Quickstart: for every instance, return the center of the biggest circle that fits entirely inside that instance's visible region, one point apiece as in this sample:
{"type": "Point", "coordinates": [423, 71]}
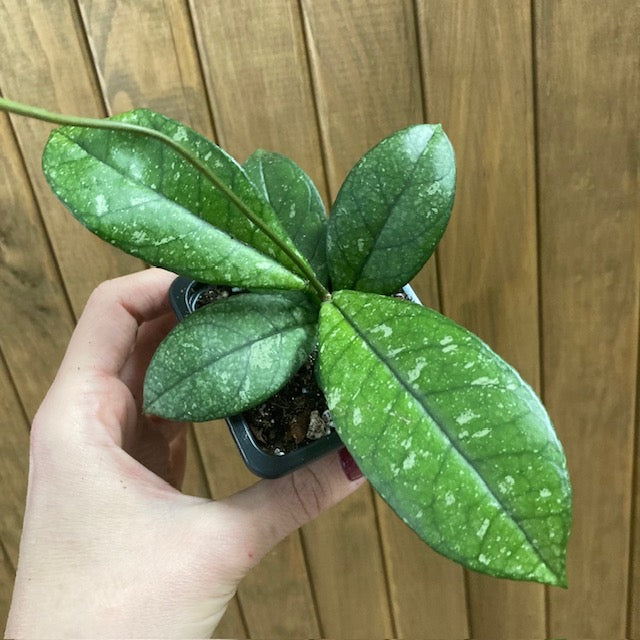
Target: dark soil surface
{"type": "Point", "coordinates": [210, 293]}
{"type": "Point", "coordinates": [294, 417]}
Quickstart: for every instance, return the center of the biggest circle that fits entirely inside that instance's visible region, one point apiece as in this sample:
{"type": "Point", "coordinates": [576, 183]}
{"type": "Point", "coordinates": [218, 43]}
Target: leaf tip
{"type": "Point", "coordinates": [561, 579]}
{"type": "Point", "coordinates": [554, 576]}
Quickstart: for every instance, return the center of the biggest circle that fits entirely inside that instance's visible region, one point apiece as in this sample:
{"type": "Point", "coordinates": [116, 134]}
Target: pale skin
{"type": "Point", "coordinates": [110, 547]}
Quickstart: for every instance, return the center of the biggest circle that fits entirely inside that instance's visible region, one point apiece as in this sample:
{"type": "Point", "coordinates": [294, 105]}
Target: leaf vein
{"type": "Point", "coordinates": [454, 443]}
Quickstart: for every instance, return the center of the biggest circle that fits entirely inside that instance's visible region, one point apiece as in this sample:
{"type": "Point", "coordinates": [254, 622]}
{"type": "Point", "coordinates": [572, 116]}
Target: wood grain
{"type": "Point", "coordinates": [31, 292]}
{"type": "Point", "coordinates": [633, 597]}
{"type": "Point", "coordinates": [61, 78]}
{"type": "Point", "coordinates": [231, 625]}
{"type": "Point", "coordinates": [322, 82]}
{"type": "Point", "coordinates": [195, 478]}
{"type": "Point", "coordinates": [365, 68]}
{"type": "Point", "coordinates": [144, 56]}
{"type": "Point", "coordinates": [478, 76]}
{"type": "Point", "coordinates": [588, 81]}
{"type": "Point", "coordinates": [257, 76]}
{"type": "Point", "coordinates": [427, 590]}
{"type": "Point", "coordinates": [14, 441]}
{"type": "Point", "coordinates": [6, 586]}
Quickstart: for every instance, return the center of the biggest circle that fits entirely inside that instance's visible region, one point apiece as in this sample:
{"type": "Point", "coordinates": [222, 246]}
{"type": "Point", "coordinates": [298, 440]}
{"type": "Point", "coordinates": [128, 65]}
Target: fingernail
{"type": "Point", "coordinates": [349, 465]}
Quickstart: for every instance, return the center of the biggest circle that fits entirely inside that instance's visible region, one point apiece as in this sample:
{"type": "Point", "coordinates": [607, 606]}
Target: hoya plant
{"type": "Point", "coordinates": [445, 430]}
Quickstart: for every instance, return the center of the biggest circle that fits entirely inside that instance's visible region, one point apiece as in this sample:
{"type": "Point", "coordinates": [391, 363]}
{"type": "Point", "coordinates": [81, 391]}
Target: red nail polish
{"type": "Point", "coordinates": [349, 465]}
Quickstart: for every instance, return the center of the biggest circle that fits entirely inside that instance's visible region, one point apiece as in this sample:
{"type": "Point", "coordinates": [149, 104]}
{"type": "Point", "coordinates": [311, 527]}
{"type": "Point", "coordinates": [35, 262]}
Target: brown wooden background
{"type": "Point", "coordinates": [542, 257]}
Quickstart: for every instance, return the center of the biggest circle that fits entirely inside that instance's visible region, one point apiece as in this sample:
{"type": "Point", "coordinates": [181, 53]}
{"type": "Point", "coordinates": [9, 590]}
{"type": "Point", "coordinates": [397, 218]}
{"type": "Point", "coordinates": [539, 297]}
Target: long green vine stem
{"type": "Point", "coordinates": [113, 125]}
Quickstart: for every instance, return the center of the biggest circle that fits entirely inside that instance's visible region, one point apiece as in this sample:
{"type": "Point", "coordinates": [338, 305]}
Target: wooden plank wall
{"type": "Point", "coordinates": [542, 258]}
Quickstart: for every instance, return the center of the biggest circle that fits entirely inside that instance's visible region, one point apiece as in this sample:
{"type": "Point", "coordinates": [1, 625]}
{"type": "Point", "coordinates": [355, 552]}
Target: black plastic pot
{"type": "Point", "coordinates": [186, 296]}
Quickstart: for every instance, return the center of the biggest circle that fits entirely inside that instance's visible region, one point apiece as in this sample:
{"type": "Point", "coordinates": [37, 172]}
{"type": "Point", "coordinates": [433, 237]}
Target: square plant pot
{"type": "Point", "coordinates": [186, 296]}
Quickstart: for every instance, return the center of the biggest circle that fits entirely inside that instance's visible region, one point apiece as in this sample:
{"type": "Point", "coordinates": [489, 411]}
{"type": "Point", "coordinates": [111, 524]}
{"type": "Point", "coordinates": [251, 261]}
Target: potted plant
{"type": "Point", "coordinates": [290, 428]}
{"type": "Point", "coordinates": [445, 430]}
{"type": "Point", "coordinates": [287, 430]}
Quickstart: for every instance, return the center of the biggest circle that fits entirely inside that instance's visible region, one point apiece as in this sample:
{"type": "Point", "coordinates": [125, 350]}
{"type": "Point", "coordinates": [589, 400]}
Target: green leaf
{"type": "Point", "coordinates": [449, 434]}
{"type": "Point", "coordinates": [297, 203]}
{"type": "Point", "coordinates": [391, 211]}
{"type": "Point", "coordinates": [230, 355]}
{"type": "Point", "coordinates": [144, 197]}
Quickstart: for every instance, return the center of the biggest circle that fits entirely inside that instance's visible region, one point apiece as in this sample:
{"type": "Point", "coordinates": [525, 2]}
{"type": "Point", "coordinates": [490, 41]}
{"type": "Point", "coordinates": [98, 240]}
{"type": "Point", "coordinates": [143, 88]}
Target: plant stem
{"type": "Point", "coordinates": [114, 125]}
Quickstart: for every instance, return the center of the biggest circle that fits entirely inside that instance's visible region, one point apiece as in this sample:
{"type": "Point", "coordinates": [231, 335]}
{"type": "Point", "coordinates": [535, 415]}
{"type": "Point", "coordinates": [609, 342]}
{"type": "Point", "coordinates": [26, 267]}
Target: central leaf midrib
{"type": "Point", "coordinates": [445, 433]}
{"type": "Point", "coordinates": [300, 230]}
{"type": "Point", "coordinates": [390, 208]}
{"type": "Point", "coordinates": [163, 196]}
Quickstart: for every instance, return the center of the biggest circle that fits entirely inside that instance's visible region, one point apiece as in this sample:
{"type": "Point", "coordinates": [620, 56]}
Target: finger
{"type": "Point", "coordinates": [107, 330]}
{"type": "Point", "coordinates": [150, 334]}
{"type": "Point", "coordinates": [270, 510]}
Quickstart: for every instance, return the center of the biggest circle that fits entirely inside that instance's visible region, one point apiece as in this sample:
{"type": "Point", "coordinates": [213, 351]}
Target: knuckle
{"type": "Point", "coordinates": [104, 291]}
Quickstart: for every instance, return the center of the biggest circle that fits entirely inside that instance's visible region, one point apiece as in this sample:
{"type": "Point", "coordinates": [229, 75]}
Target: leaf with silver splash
{"type": "Point", "coordinates": [141, 195]}
{"type": "Point", "coordinates": [449, 434]}
{"type": "Point", "coordinates": [391, 211]}
{"type": "Point", "coordinates": [296, 202]}
{"type": "Point", "coordinates": [230, 355]}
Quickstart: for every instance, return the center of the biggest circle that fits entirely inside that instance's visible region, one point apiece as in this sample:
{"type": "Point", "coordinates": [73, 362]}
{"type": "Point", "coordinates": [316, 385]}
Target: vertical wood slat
{"type": "Point", "coordinates": [587, 86]}
{"type": "Point", "coordinates": [13, 472]}
{"type": "Point", "coordinates": [144, 57]}
{"type": "Point", "coordinates": [361, 95]}
{"type": "Point", "coordinates": [31, 293]}
{"type": "Point", "coordinates": [633, 592]}
{"type": "Point", "coordinates": [60, 77]}
{"type": "Point", "coordinates": [7, 574]}
{"type": "Point", "coordinates": [633, 595]}
{"type": "Point", "coordinates": [255, 71]}
{"type": "Point", "coordinates": [367, 85]}
{"type": "Point", "coordinates": [13, 479]}
{"type": "Point", "coordinates": [478, 75]}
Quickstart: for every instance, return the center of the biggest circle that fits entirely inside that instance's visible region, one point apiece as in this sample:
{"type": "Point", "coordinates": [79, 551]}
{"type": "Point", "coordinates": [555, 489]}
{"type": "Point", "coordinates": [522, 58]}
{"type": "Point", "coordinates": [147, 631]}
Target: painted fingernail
{"type": "Point", "coordinates": [349, 465]}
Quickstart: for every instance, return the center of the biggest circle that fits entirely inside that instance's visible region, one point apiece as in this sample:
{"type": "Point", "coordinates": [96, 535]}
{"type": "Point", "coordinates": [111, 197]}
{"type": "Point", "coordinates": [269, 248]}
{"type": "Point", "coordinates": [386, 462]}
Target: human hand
{"type": "Point", "coordinates": [110, 548]}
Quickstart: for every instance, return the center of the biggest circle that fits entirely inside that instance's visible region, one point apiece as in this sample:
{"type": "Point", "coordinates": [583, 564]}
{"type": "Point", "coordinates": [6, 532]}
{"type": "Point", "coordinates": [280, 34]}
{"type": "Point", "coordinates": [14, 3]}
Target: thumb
{"type": "Point", "coordinates": [272, 509]}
